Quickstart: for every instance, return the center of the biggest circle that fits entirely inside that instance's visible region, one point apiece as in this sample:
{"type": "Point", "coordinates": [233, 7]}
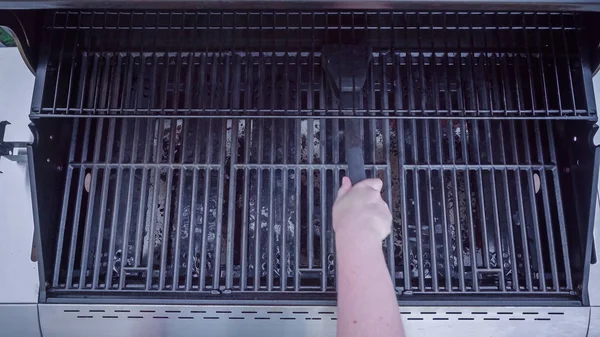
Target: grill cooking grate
{"type": "Point", "coordinates": [244, 205]}
{"type": "Point", "coordinates": [268, 64]}
{"type": "Point", "coordinates": [206, 149]}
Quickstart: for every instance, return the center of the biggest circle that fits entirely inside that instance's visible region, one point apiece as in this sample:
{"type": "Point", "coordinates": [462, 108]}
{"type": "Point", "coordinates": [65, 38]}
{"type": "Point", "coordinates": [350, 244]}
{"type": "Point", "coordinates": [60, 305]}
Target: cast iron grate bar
{"type": "Point", "coordinates": [425, 65]}
{"type": "Point", "coordinates": [244, 205]}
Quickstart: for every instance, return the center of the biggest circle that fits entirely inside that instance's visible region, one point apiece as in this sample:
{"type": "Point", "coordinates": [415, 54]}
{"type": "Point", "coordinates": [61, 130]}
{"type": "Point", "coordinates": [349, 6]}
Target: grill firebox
{"type": "Point", "coordinates": [199, 153]}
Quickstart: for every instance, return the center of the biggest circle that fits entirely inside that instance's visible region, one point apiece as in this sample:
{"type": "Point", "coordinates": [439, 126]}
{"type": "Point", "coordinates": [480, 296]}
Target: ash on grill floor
{"type": "Point", "coordinates": [209, 205]}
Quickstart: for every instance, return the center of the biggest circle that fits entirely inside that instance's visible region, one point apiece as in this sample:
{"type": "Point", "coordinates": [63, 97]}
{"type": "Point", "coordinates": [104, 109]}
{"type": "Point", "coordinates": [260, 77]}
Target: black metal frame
{"type": "Point", "coordinates": [448, 5]}
{"type": "Point", "coordinates": [314, 299]}
{"type": "Point", "coordinates": [5, 148]}
{"type": "Point", "coordinates": [61, 126]}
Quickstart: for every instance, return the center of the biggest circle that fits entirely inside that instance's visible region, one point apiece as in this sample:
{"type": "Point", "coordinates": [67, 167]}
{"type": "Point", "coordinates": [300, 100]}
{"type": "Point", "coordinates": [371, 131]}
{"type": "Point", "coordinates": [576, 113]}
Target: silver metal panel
{"type": "Point", "coordinates": [594, 283]}
{"type": "Point", "coordinates": [594, 329]}
{"type": "Point", "coordinates": [16, 89]}
{"type": "Point", "coordinates": [163, 320]}
{"type": "Point", "coordinates": [19, 281]}
{"type": "Point", "coordinates": [19, 320]}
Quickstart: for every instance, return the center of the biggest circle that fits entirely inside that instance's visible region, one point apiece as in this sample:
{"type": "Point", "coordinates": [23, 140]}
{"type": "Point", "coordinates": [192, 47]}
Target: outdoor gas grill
{"type": "Point", "coordinates": [186, 160]}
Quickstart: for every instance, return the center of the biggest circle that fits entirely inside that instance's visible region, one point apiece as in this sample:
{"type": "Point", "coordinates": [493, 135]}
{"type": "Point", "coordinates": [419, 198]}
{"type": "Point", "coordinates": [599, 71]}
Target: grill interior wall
{"type": "Point", "coordinates": [210, 148]}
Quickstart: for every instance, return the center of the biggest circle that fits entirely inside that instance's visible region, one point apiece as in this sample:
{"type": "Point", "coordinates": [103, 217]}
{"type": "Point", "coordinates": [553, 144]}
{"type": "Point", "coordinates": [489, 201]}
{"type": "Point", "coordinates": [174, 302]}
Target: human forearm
{"type": "Point", "coordinates": [366, 298]}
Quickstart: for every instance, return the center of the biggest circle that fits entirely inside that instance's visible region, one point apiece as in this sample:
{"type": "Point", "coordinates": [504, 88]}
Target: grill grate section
{"type": "Point", "coordinates": [206, 149]}
{"type": "Point", "coordinates": [431, 65]}
{"type": "Point", "coordinates": [243, 205]}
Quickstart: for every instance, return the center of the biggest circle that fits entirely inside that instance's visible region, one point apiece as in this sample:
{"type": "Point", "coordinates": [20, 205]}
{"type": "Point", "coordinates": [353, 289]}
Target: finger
{"type": "Point", "coordinates": [346, 186]}
{"type": "Point", "coordinates": [373, 183]}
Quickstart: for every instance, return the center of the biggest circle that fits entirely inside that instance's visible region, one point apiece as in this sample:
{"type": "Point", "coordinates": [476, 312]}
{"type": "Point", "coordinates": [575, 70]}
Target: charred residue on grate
{"type": "Point", "coordinates": [473, 207]}
{"type": "Point", "coordinates": [244, 205]}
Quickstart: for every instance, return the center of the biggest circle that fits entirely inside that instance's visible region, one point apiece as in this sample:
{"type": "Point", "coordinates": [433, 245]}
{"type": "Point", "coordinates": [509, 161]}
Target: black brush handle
{"type": "Point", "coordinates": [354, 151]}
{"type": "Point", "coordinates": [354, 135]}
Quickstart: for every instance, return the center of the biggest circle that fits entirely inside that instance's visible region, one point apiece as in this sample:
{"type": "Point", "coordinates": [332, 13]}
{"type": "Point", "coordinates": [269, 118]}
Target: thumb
{"type": "Point", "coordinates": [346, 186]}
{"type": "Point", "coordinates": [373, 183]}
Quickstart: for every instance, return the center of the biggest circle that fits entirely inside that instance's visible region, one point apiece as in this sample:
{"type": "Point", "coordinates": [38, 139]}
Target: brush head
{"type": "Point", "coordinates": [346, 66]}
